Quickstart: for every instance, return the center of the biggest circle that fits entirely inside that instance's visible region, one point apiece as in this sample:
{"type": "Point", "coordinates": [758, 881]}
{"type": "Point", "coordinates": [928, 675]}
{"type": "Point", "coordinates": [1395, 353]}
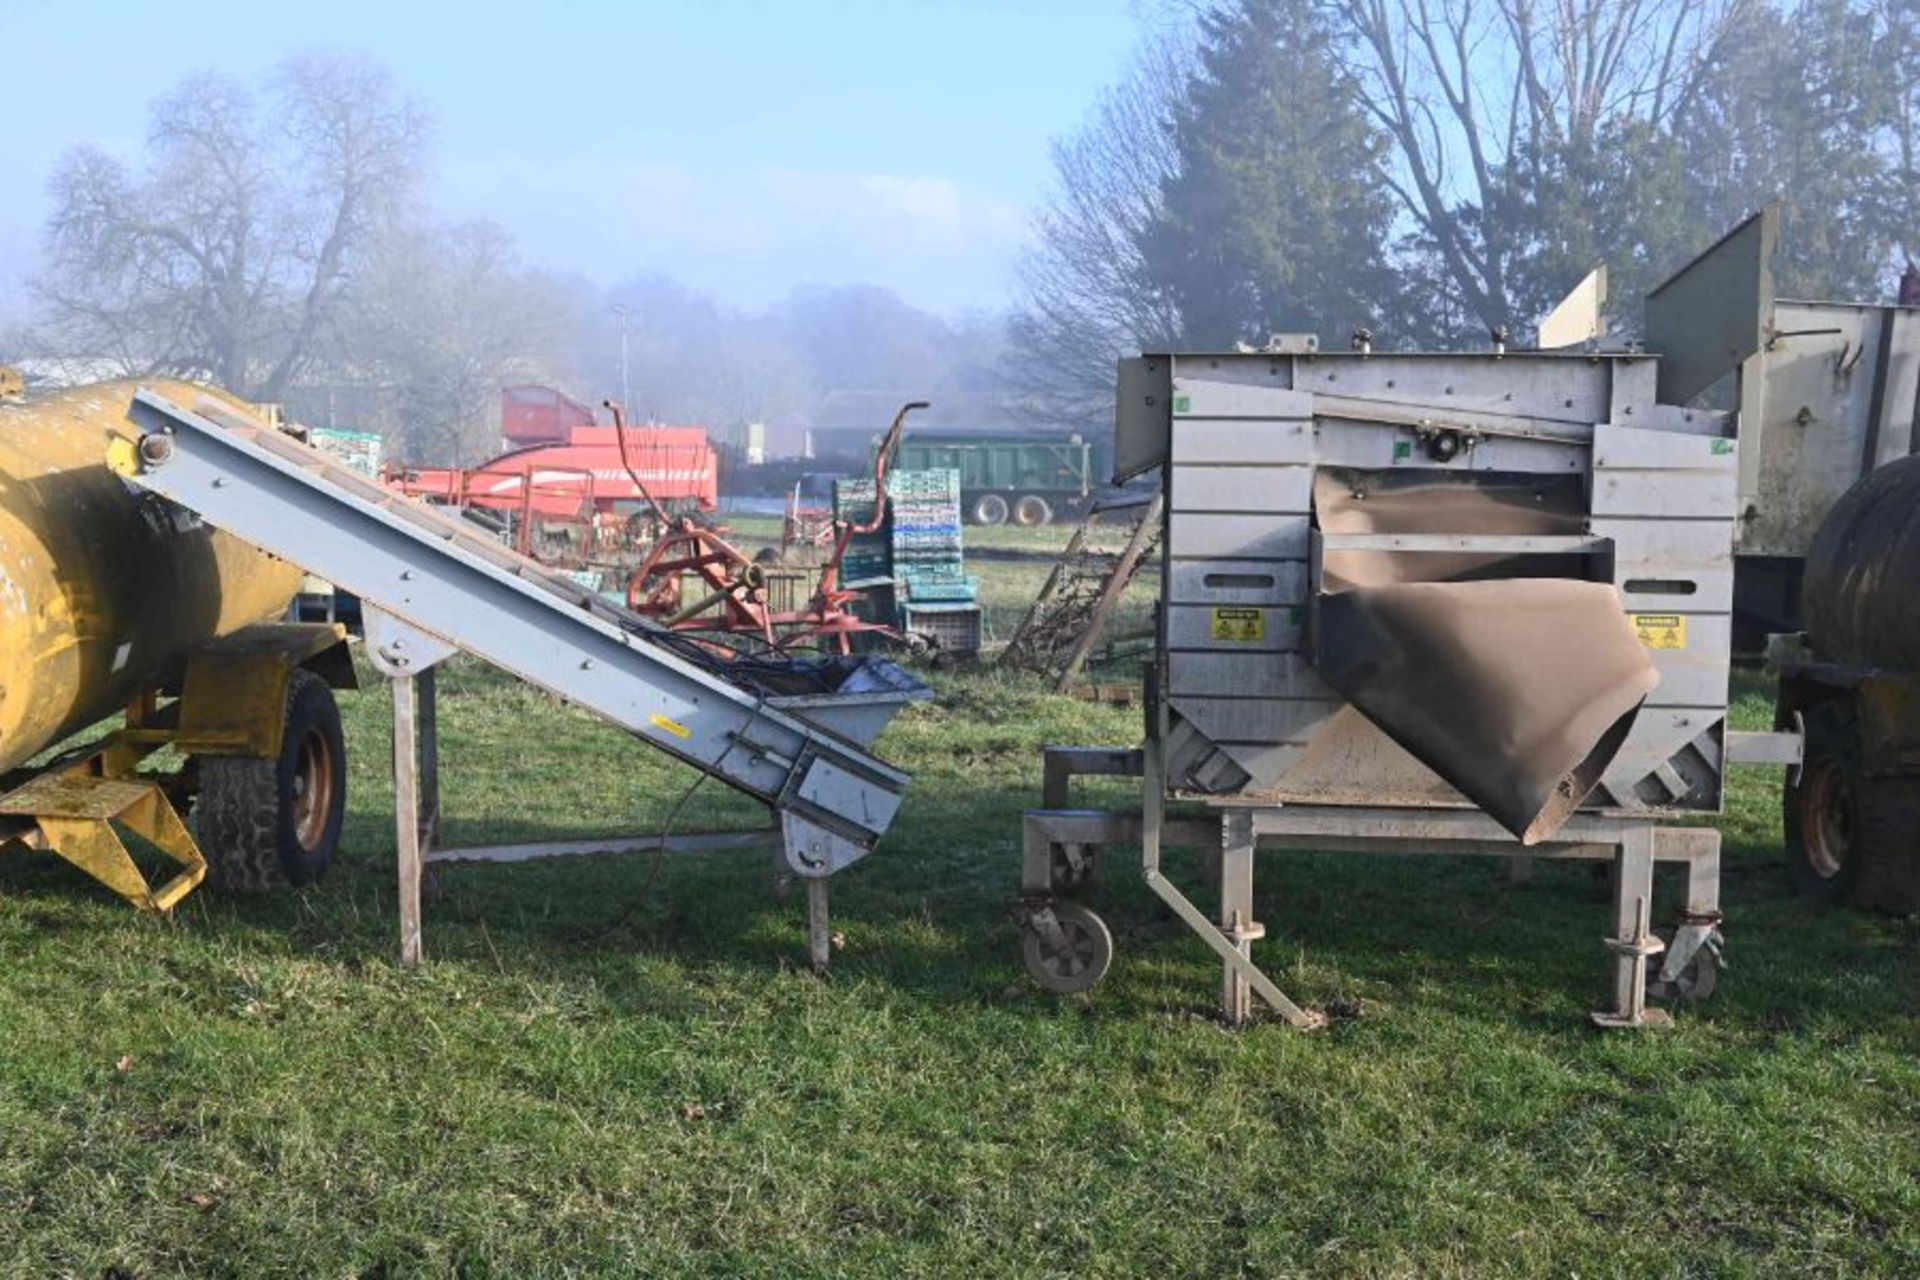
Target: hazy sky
{"type": "Point", "coordinates": [744, 147]}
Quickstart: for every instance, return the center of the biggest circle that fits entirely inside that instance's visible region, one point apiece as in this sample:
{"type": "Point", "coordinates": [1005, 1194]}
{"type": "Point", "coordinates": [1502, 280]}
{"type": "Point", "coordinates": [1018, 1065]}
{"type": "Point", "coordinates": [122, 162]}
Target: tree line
{"type": "Point", "coordinates": [1428, 170]}
{"type": "Point", "coordinates": [1431, 170]}
{"type": "Point", "coordinates": [274, 237]}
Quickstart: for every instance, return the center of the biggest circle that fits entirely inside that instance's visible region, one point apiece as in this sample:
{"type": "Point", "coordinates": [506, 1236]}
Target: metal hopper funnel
{"type": "Point", "coordinates": [1517, 690]}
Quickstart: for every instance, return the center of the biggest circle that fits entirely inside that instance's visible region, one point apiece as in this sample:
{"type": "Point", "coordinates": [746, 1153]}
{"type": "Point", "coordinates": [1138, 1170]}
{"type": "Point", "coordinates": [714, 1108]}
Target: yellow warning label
{"type": "Point", "coordinates": [673, 727]}
{"type": "Point", "coordinates": [1245, 626]}
{"type": "Point", "coordinates": [1661, 630]}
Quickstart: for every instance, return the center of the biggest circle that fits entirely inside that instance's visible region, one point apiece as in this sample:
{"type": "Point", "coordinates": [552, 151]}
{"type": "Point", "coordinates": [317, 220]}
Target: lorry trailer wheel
{"type": "Point", "coordinates": [1076, 959]}
{"type": "Point", "coordinates": [1032, 510]}
{"type": "Point", "coordinates": [267, 824]}
{"type": "Point", "coordinates": [1818, 812]}
{"type": "Point", "coordinates": [989, 509]}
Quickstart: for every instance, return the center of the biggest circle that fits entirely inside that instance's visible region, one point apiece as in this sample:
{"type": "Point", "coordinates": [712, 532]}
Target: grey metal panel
{"type": "Point", "coordinates": [1697, 554]}
{"type": "Point", "coordinates": [1236, 582]}
{"type": "Point", "coordinates": [1350, 761]}
{"type": "Point", "coordinates": [1270, 675]}
{"type": "Point", "coordinates": [1694, 676]}
{"type": "Point", "coordinates": [1264, 762]}
{"type": "Point", "coordinates": [1626, 447]}
{"type": "Point", "coordinates": [1259, 489]}
{"type": "Point", "coordinates": [1141, 408]}
{"type": "Point", "coordinates": [1349, 445]}
{"type": "Point", "coordinates": [1258, 719]}
{"type": "Point", "coordinates": [1833, 367]}
{"type": "Point", "coordinates": [1697, 544]}
{"type": "Point", "coordinates": [1674, 495]}
{"type": "Point", "coordinates": [1643, 587]}
{"type": "Point", "coordinates": [1237, 441]}
{"type": "Point", "coordinates": [441, 576]}
{"type": "Point", "coordinates": [1900, 427]}
{"type": "Point", "coordinates": [1713, 313]}
{"type": "Point", "coordinates": [1204, 397]}
{"type": "Point", "coordinates": [1567, 390]}
{"type": "Point", "coordinates": [1658, 735]}
{"type": "Point", "coordinates": [1191, 627]}
{"type": "Point", "coordinates": [1237, 537]}
{"type": "Point", "coordinates": [1579, 317]}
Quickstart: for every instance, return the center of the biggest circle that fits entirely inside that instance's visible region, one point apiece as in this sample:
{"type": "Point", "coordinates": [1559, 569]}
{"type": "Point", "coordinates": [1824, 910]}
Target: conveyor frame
{"type": "Point", "coordinates": [433, 585]}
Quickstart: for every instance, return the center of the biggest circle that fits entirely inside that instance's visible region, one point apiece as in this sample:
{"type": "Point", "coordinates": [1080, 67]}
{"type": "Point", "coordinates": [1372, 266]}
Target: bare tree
{"type": "Point", "coordinates": [1899, 36]}
{"type": "Point", "coordinates": [1085, 296]}
{"type": "Point", "coordinates": [1493, 104]}
{"type": "Point", "coordinates": [228, 254]}
{"type": "Point", "coordinates": [441, 317]}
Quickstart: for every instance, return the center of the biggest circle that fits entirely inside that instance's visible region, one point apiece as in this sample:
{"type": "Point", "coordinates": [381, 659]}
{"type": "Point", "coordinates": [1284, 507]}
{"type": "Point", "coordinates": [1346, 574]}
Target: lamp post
{"type": "Point", "coordinates": [622, 311]}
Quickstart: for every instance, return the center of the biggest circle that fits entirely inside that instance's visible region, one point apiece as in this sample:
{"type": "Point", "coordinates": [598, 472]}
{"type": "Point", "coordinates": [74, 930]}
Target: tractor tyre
{"type": "Point", "coordinates": [1032, 511]}
{"type": "Point", "coordinates": [988, 509]}
{"type": "Point", "coordinates": [273, 823]}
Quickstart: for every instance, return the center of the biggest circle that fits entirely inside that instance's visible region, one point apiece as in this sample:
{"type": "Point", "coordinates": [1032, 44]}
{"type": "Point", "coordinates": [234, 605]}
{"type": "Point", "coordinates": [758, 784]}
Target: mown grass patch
{"type": "Point", "coordinates": [617, 1065]}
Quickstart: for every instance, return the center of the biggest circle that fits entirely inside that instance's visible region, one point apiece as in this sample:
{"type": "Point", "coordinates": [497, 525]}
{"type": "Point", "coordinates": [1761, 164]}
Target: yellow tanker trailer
{"type": "Point", "coordinates": [115, 601]}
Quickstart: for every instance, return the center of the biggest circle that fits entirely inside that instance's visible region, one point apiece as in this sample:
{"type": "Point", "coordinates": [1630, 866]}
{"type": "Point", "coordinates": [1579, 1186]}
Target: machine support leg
{"type": "Point", "coordinates": [1703, 882]}
{"type": "Point", "coordinates": [1236, 912]}
{"type": "Point", "coordinates": [429, 719]}
{"type": "Point", "coordinates": [1632, 943]}
{"type": "Point", "coordinates": [406, 814]}
{"type": "Point", "coordinates": [819, 931]}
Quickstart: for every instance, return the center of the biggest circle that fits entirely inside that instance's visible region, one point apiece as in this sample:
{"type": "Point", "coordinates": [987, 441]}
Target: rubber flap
{"type": "Point", "coordinates": [1518, 692]}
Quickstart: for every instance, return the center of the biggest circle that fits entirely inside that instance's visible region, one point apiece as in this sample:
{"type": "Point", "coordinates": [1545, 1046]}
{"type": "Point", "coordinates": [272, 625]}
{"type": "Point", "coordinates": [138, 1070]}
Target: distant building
{"type": "Point", "coordinates": [845, 422]}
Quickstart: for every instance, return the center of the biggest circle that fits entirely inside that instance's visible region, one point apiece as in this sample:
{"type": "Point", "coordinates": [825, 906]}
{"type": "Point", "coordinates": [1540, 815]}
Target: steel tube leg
{"type": "Point", "coordinates": [819, 933]}
{"type": "Point", "coordinates": [1632, 943]}
{"type": "Point", "coordinates": [1236, 912]}
{"type": "Point", "coordinates": [406, 814]}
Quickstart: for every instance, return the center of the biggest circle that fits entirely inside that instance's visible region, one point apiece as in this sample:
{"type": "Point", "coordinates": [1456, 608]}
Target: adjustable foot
{"type": "Point", "coordinates": [1633, 943]}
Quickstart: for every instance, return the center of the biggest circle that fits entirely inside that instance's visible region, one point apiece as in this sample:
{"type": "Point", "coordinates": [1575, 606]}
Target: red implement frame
{"type": "Point", "coordinates": [735, 586]}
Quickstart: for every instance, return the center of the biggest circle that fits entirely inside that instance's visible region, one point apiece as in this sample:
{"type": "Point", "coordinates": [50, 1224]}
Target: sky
{"type": "Point", "coordinates": [744, 148]}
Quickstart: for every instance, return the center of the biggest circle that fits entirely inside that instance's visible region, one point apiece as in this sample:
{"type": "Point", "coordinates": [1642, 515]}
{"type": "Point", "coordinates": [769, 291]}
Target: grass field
{"type": "Point", "coordinates": [616, 1067]}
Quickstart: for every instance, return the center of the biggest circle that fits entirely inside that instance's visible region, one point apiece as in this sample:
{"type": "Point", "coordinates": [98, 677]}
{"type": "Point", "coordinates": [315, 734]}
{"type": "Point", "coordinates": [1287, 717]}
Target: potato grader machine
{"type": "Point", "coordinates": [1429, 603]}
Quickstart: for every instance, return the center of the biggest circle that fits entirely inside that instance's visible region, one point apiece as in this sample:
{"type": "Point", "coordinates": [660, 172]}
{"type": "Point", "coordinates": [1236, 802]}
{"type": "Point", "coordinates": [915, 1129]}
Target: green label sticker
{"type": "Point", "coordinates": [1402, 449]}
{"type": "Point", "coordinates": [1183, 404]}
{"type": "Point", "coordinates": [1722, 446]}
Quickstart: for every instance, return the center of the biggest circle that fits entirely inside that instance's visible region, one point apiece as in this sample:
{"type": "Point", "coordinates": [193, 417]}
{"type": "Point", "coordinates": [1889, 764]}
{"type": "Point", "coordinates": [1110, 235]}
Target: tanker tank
{"type": "Point", "coordinates": [1861, 595]}
{"type": "Point", "coordinates": [104, 589]}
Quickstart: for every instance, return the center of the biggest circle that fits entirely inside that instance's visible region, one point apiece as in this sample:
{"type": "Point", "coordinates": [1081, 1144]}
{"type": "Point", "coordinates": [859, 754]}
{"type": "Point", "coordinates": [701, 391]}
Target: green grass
{"type": "Point", "coordinates": [610, 1067]}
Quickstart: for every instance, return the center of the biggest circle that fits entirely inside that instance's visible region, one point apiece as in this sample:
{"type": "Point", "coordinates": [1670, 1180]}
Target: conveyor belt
{"type": "Point", "coordinates": [742, 723]}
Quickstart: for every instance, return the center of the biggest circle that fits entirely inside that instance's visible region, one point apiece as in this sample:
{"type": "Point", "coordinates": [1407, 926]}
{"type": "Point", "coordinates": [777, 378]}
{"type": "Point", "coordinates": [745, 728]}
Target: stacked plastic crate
{"type": "Point", "coordinates": [918, 557]}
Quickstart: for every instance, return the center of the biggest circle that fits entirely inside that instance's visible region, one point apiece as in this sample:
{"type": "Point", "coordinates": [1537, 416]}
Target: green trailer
{"type": "Point", "coordinates": [1028, 479]}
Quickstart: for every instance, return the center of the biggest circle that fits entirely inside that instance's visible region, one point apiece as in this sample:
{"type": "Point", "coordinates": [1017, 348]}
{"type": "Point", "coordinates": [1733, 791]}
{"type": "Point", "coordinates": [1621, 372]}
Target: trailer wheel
{"type": "Point", "coordinates": [267, 824]}
{"type": "Point", "coordinates": [1818, 812]}
{"type": "Point", "coordinates": [1077, 959]}
{"type": "Point", "coordinates": [989, 509]}
{"type": "Point", "coordinates": [1032, 510]}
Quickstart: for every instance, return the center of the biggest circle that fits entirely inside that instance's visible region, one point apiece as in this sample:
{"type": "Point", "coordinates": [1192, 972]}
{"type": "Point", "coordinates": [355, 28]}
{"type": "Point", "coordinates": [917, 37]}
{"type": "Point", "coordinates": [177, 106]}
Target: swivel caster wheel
{"type": "Point", "coordinates": [1067, 948]}
{"type": "Point", "coordinates": [1696, 980]}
